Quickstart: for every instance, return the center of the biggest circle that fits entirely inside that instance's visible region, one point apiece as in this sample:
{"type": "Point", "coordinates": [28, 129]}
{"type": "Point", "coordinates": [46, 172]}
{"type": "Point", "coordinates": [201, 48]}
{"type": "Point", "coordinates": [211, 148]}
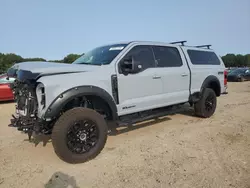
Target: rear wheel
{"type": "Point", "coordinates": [79, 135]}
{"type": "Point", "coordinates": [206, 106]}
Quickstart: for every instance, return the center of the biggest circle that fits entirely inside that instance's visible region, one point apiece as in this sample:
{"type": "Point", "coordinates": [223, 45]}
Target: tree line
{"type": "Point", "coordinates": [232, 60]}
{"type": "Point", "coordinates": [7, 60]}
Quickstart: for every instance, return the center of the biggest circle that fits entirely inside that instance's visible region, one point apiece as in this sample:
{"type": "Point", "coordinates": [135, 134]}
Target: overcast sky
{"type": "Point", "coordinates": [51, 29]}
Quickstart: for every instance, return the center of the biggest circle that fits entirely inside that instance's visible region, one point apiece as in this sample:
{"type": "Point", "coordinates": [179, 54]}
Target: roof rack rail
{"type": "Point", "coordinates": [177, 42]}
{"type": "Point", "coordinates": [201, 46]}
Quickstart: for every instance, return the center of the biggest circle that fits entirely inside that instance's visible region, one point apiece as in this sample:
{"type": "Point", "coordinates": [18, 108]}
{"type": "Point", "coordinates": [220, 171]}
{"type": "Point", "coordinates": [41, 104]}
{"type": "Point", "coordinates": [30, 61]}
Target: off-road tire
{"type": "Point", "coordinates": [61, 127]}
{"type": "Point", "coordinates": [200, 106]}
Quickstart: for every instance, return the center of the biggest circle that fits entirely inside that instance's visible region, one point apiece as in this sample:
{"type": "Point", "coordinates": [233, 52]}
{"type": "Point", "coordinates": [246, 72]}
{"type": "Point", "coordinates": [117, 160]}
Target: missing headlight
{"type": "Point", "coordinates": [40, 90]}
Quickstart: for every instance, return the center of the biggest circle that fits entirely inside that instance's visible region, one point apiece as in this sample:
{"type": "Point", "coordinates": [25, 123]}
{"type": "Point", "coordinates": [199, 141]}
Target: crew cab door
{"type": "Point", "coordinates": [174, 72]}
{"type": "Point", "coordinates": [139, 91]}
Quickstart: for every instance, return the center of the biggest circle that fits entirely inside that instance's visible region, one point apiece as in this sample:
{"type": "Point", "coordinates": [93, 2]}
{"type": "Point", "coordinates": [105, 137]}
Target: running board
{"type": "Point", "coordinates": [128, 120]}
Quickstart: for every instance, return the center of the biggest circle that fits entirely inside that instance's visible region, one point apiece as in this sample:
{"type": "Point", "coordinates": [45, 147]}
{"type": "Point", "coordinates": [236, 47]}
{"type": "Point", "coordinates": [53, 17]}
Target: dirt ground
{"type": "Point", "coordinates": [177, 151]}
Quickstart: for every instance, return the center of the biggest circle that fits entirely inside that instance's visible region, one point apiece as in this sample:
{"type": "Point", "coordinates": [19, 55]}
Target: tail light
{"type": "Point", "coordinates": [225, 77]}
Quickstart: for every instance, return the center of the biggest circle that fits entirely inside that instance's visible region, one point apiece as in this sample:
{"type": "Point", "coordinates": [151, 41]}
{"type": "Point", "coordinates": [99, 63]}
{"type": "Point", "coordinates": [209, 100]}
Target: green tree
{"type": "Point", "coordinates": [229, 60]}
{"type": "Point", "coordinates": [247, 58]}
{"type": "Point", "coordinates": [34, 59]}
{"type": "Point", "coordinates": [7, 60]}
{"type": "Point", "coordinates": [56, 61]}
{"type": "Point", "coordinates": [240, 60]}
{"type": "Point", "coordinates": [70, 58]}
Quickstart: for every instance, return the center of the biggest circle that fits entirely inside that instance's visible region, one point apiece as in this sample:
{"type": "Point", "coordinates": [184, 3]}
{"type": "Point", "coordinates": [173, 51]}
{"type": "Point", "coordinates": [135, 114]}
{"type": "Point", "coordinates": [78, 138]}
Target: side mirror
{"type": "Point", "coordinates": [130, 66]}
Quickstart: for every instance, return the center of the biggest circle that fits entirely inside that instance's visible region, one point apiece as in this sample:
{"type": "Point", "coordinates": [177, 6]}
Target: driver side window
{"type": "Point", "coordinates": [142, 54]}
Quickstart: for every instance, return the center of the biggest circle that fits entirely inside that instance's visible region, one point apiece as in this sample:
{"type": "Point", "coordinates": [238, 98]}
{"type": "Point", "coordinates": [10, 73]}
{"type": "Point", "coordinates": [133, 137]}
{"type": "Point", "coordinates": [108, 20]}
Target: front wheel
{"type": "Point", "coordinates": [79, 135]}
{"type": "Point", "coordinates": [206, 106]}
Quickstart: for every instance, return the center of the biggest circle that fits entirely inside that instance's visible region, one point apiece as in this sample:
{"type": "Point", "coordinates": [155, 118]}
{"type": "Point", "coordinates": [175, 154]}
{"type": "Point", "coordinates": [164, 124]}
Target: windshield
{"type": "Point", "coordinates": [237, 71]}
{"type": "Point", "coordinates": [101, 55]}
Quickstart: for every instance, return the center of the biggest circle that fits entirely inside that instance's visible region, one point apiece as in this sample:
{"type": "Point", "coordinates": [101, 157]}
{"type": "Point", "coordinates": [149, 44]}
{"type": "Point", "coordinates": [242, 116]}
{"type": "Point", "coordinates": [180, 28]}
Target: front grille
{"type": "Point", "coordinates": [25, 98]}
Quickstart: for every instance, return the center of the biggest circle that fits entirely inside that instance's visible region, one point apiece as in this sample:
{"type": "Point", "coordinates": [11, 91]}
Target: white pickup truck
{"type": "Point", "coordinates": [123, 83]}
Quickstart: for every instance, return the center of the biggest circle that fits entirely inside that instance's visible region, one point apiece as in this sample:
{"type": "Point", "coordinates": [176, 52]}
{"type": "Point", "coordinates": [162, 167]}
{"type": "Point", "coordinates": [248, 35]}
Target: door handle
{"type": "Point", "coordinates": [156, 77]}
{"type": "Point", "coordinates": [184, 74]}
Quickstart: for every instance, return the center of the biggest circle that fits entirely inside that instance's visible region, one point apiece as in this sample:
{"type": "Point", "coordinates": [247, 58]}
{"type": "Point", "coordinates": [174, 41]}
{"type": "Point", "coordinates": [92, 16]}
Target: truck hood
{"type": "Point", "coordinates": [47, 68]}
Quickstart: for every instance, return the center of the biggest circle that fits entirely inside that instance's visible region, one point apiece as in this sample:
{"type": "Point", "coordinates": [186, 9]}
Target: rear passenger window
{"type": "Point", "coordinates": [203, 57]}
{"type": "Point", "coordinates": [167, 56]}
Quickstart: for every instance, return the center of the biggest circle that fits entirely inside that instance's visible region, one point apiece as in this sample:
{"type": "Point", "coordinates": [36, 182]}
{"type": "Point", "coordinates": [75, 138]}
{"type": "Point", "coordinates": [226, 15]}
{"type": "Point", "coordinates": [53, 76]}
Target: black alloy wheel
{"type": "Point", "coordinates": [82, 136]}
{"type": "Point", "coordinates": [206, 106]}
{"type": "Point", "coordinates": [79, 135]}
{"type": "Point", "coordinates": [210, 102]}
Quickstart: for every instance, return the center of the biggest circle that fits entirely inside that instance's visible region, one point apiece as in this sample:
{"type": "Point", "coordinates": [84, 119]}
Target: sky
{"type": "Point", "coordinates": [52, 29]}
